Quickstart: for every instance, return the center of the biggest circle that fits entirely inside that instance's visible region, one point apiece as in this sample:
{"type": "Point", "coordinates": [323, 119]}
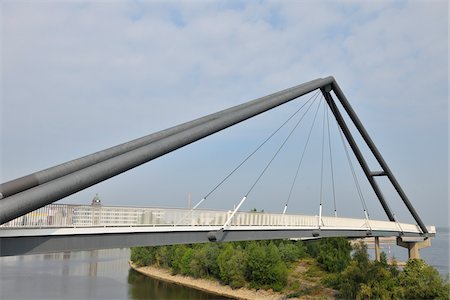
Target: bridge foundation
{"type": "Point", "coordinates": [413, 246]}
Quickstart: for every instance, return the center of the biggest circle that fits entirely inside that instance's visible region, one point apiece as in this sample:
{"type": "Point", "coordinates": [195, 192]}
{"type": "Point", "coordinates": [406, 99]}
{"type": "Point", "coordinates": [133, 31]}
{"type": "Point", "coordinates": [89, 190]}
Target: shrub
{"type": "Point", "coordinates": [421, 281]}
{"type": "Point", "coordinates": [334, 254]}
{"type": "Point", "coordinates": [232, 265]}
{"type": "Point", "coordinates": [198, 264]}
{"type": "Point", "coordinates": [290, 251]}
{"type": "Point", "coordinates": [177, 257]}
{"type": "Point", "coordinates": [143, 256]}
{"type": "Point", "coordinates": [186, 261]}
{"type": "Point", "coordinates": [162, 256]}
{"type": "Point", "coordinates": [265, 268]}
{"type": "Point", "coordinates": [364, 279]}
{"type": "Point", "coordinates": [212, 253]}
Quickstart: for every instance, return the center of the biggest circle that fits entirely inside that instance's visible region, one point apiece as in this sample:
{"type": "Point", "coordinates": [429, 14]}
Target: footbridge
{"type": "Point", "coordinates": [30, 223]}
{"type": "Point", "coordinates": [61, 227]}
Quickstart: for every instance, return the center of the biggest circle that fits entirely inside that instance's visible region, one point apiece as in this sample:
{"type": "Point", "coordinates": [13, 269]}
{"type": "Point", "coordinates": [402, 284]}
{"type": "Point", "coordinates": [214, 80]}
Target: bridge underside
{"type": "Point", "coordinates": [70, 239]}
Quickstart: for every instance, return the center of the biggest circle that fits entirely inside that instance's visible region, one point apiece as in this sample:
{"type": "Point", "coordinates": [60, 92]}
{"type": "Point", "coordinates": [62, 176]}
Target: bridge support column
{"type": "Point", "coordinates": [413, 246]}
{"type": "Point", "coordinates": [377, 249]}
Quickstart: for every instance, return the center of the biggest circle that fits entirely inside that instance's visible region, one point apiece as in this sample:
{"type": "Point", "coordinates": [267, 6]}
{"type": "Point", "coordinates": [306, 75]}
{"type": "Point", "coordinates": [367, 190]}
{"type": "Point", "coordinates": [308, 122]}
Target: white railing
{"type": "Point", "coordinates": [67, 215]}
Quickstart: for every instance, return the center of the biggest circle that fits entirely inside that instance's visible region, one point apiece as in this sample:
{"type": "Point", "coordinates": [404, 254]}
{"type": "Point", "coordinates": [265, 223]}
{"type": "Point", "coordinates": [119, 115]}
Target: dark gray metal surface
{"type": "Point", "coordinates": [29, 181]}
{"type": "Point", "coordinates": [365, 135]}
{"type": "Point", "coordinates": [47, 244]}
{"type": "Point", "coordinates": [348, 135]}
{"type": "Point", "coordinates": [53, 190]}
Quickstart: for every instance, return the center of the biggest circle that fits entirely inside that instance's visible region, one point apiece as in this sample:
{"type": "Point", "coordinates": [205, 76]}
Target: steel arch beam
{"type": "Point", "coordinates": [36, 190]}
{"type": "Point", "coordinates": [29, 193]}
{"type": "Point", "coordinates": [29, 181]}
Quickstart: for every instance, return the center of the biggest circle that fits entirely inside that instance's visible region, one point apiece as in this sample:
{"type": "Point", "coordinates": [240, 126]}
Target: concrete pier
{"type": "Point", "coordinates": [413, 245]}
{"type": "Point", "coordinates": [377, 249]}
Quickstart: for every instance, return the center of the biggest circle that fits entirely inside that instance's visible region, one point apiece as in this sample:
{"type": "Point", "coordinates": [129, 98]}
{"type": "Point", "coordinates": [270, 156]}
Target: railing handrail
{"type": "Point", "coordinates": [79, 215]}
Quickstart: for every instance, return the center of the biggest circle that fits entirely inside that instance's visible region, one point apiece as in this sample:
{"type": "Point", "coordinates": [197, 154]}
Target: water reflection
{"type": "Point", "coordinates": [99, 274]}
{"type": "Point", "coordinates": [142, 287]}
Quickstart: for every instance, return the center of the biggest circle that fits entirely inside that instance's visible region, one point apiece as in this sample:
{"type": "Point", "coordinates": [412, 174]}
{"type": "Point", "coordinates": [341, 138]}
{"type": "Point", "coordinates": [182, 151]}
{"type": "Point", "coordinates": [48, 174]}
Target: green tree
{"type": "Point", "coordinates": [257, 268]}
{"type": "Point", "coordinates": [186, 261]}
{"type": "Point", "coordinates": [301, 249]}
{"type": "Point", "coordinates": [212, 251]}
{"type": "Point", "coordinates": [379, 283]}
{"type": "Point", "coordinates": [176, 262]}
{"type": "Point", "coordinates": [334, 254]}
{"type": "Point", "coordinates": [291, 251]}
{"type": "Point", "coordinates": [198, 265]}
{"type": "Point", "coordinates": [365, 279]}
{"type": "Point", "coordinates": [143, 256]}
{"type": "Point", "coordinates": [360, 255]}
{"type": "Point", "coordinates": [232, 265]}
{"type": "Point", "coordinates": [383, 258]}
{"type": "Point", "coordinates": [265, 268]}
{"type": "Point", "coordinates": [421, 281]}
{"type": "Point", "coordinates": [162, 256]}
{"type": "Point", "coordinates": [350, 280]}
{"type": "Point", "coordinates": [312, 248]}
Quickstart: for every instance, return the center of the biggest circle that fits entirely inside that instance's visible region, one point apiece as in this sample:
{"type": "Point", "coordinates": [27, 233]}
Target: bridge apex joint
{"type": "Point", "coordinates": [327, 88]}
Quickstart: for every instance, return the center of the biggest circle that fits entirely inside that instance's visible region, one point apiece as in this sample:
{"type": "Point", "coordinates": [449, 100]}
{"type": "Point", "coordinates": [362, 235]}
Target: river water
{"type": "Point", "coordinates": [105, 274]}
{"type": "Point", "coordinates": [99, 274]}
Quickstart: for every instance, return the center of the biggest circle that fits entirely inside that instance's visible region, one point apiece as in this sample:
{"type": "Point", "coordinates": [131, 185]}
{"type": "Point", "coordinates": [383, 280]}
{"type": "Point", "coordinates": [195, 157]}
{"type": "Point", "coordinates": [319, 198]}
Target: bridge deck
{"type": "Point", "coordinates": [73, 227]}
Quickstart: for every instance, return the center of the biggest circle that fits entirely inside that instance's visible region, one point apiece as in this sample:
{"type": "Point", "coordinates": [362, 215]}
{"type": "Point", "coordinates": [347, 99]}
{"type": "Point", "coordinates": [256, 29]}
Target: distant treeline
{"type": "Point", "coordinates": [267, 265]}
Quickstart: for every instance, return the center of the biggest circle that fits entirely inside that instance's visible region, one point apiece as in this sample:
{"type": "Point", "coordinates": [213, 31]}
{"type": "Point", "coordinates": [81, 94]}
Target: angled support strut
{"type": "Point", "coordinates": [362, 162]}
{"type": "Point", "coordinates": [369, 174]}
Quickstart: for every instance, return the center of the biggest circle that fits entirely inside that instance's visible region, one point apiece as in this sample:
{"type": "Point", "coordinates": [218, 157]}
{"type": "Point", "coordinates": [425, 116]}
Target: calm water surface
{"type": "Point", "coordinates": [105, 274]}
{"type": "Point", "coordinates": [100, 274]}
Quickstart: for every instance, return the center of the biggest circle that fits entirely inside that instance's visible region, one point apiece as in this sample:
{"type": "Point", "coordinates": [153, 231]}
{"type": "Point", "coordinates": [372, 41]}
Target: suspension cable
{"type": "Point", "coordinates": [230, 218]}
{"type": "Point", "coordinates": [323, 146]}
{"type": "Point", "coordinates": [366, 210]}
{"type": "Point", "coordinates": [319, 220]}
{"type": "Point", "coordinates": [249, 156]}
{"type": "Point", "coordinates": [256, 150]}
{"type": "Point", "coordinates": [355, 179]}
{"type": "Point", "coordinates": [301, 159]}
{"type": "Point", "coordinates": [331, 164]}
{"type": "Point", "coordinates": [281, 147]}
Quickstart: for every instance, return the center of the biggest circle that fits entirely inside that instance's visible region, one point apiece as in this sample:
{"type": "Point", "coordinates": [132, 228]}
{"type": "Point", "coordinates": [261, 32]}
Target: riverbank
{"type": "Point", "coordinates": [206, 285]}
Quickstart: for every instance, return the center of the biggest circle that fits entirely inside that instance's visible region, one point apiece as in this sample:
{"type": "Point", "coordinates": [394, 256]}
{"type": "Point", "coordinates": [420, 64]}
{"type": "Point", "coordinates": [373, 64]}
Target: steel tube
{"type": "Point", "coordinates": [354, 117]}
{"type": "Point", "coordinates": [41, 195]}
{"type": "Point", "coordinates": [354, 146]}
{"type": "Point", "coordinates": [29, 181]}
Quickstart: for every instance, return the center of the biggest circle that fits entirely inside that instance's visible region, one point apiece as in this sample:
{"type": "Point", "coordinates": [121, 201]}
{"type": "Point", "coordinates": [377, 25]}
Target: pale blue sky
{"type": "Point", "coordinates": [78, 77]}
